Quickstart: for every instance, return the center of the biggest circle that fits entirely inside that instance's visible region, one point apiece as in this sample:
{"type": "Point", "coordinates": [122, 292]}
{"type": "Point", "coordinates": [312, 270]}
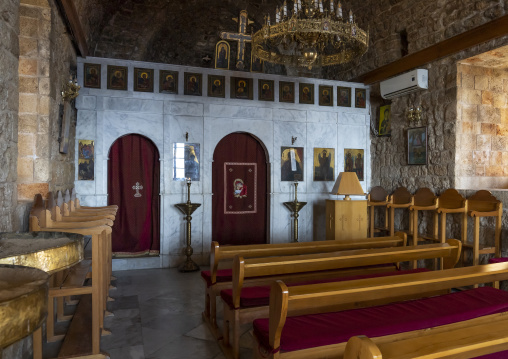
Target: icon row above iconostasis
{"type": "Point", "coordinates": [241, 88]}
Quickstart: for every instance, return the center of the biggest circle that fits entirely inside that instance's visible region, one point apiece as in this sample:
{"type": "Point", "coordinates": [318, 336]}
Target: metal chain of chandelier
{"type": "Point", "coordinates": [309, 35]}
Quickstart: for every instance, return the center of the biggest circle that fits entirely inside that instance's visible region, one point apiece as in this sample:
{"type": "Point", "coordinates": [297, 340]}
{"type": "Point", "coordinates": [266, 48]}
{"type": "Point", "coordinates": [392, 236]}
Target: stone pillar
{"type": "Point", "coordinates": [33, 149]}
{"type": "Point", "coordinates": [9, 52]}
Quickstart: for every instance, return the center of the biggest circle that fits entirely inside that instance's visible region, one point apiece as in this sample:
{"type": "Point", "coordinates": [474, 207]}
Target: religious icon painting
{"type": "Point", "coordinates": [360, 98]}
{"type": "Point", "coordinates": [222, 55]}
{"type": "Point", "coordinates": [186, 161]}
{"type": "Point", "coordinates": [216, 86]}
{"type": "Point", "coordinates": [241, 88]}
{"type": "Point", "coordinates": [344, 96]}
{"type": "Point", "coordinates": [85, 149]}
{"type": "Point", "coordinates": [193, 84]}
{"type": "Point", "coordinates": [240, 187]}
{"type": "Point", "coordinates": [354, 162]}
{"type": "Point", "coordinates": [256, 64]}
{"type": "Point", "coordinates": [307, 94]}
{"type": "Point", "coordinates": [265, 88]}
{"type": "Point", "coordinates": [325, 95]}
{"type": "Point", "coordinates": [168, 81]}
{"type": "Point", "coordinates": [143, 80]}
{"type": "Point", "coordinates": [417, 146]}
{"type": "Point", "coordinates": [92, 75]}
{"type": "Point", "coordinates": [286, 91]}
{"type": "Point", "coordinates": [324, 164]}
{"type": "Point", "coordinates": [384, 121]}
{"type": "Point", "coordinates": [117, 78]}
{"type": "Point", "coordinates": [291, 164]}
{"type": "Point", "coordinates": [86, 169]}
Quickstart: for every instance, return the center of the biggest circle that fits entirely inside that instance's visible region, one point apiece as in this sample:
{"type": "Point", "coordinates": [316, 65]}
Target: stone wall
{"type": "Point", "coordinates": [482, 125]}
{"type": "Point", "coordinates": [9, 52]}
{"type": "Point", "coordinates": [46, 60]}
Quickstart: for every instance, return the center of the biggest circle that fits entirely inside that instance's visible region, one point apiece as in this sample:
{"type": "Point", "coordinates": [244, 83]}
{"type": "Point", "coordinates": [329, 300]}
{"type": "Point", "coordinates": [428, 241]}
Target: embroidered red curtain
{"type": "Point", "coordinates": [133, 185]}
{"type": "Point", "coordinates": [239, 185]}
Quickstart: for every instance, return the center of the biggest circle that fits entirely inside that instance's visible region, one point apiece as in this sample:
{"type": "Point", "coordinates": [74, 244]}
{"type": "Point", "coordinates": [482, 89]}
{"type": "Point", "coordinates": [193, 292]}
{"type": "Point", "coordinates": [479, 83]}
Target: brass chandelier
{"type": "Point", "coordinates": [309, 35]}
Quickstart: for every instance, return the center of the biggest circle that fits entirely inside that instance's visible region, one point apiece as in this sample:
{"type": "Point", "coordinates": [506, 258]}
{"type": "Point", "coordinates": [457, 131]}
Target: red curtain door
{"type": "Point", "coordinates": [133, 185]}
{"type": "Point", "coordinates": [239, 185]}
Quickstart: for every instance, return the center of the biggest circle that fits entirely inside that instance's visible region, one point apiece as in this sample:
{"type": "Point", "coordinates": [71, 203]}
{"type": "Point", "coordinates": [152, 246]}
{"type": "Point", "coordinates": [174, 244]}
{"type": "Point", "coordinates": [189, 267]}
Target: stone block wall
{"type": "Point", "coordinates": [482, 125]}
{"type": "Point", "coordinates": [9, 52]}
{"type": "Point", "coordinates": [45, 63]}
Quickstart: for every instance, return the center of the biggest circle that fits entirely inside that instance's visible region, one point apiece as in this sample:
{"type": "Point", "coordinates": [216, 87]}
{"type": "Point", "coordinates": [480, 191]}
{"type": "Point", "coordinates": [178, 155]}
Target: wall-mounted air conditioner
{"type": "Point", "coordinates": [406, 83]}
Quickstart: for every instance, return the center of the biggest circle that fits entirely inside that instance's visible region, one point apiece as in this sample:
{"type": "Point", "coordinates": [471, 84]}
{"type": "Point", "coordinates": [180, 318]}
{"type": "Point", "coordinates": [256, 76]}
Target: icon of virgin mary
{"type": "Point", "coordinates": [240, 188]}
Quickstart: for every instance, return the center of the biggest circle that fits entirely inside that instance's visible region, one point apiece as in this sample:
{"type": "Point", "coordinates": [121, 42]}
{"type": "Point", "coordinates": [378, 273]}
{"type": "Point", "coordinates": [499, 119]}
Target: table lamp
{"type": "Point", "coordinates": [348, 184]}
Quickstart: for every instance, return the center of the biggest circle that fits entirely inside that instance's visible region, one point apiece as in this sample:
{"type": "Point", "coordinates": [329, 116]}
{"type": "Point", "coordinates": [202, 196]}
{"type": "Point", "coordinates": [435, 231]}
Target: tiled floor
{"type": "Point", "coordinates": [157, 314]}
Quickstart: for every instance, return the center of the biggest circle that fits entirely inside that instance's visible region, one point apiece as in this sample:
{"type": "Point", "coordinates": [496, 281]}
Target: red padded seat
{"type": "Point", "coordinates": [498, 260]}
{"type": "Point", "coordinates": [310, 331]}
{"type": "Point", "coordinates": [260, 296]}
{"type": "Point", "coordinates": [223, 275]}
{"type": "Point", "coordinates": [499, 355]}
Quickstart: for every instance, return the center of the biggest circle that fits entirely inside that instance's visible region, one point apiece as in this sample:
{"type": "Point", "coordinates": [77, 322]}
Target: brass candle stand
{"type": "Point", "coordinates": [187, 209]}
{"type": "Point", "coordinates": [295, 207]}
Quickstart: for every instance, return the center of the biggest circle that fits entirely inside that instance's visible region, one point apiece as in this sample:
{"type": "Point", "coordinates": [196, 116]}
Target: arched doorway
{"type": "Point", "coordinates": [240, 191]}
{"type": "Point", "coordinates": [134, 186]}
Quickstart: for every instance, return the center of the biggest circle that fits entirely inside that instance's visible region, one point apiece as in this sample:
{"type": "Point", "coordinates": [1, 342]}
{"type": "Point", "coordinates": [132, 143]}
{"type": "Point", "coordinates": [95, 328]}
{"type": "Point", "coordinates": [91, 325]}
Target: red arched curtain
{"type": "Point", "coordinates": [240, 186]}
{"type": "Point", "coordinates": [133, 185]}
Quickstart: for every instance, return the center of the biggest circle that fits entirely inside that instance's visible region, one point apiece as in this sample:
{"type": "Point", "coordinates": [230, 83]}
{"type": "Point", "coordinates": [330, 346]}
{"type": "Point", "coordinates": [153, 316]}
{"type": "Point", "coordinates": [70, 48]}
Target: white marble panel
{"type": "Point", "coordinates": [183, 108]}
{"type": "Point", "coordinates": [322, 116]}
{"type": "Point", "coordinates": [86, 102]}
{"type": "Point", "coordinates": [350, 118]}
{"type": "Point", "coordinates": [320, 135]}
{"type": "Point", "coordinates": [280, 114]}
{"type": "Point", "coordinates": [317, 224]}
{"type": "Point", "coordinates": [355, 137]}
{"type": "Point", "coordinates": [133, 105]}
{"type": "Point", "coordinates": [86, 125]}
{"type": "Point", "coordinates": [248, 110]}
{"type": "Point", "coordinates": [84, 187]}
{"type": "Point", "coordinates": [207, 222]}
{"type": "Point", "coordinates": [282, 134]}
{"type": "Point", "coordinates": [281, 219]}
{"type": "Point", "coordinates": [119, 124]}
{"type": "Point", "coordinates": [85, 200]}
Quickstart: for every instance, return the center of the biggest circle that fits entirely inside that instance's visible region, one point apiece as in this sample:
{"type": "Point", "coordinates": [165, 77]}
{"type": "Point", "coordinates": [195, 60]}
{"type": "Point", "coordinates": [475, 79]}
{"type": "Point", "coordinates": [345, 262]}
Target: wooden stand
{"type": "Point", "coordinates": [346, 219]}
{"type": "Point", "coordinates": [188, 208]}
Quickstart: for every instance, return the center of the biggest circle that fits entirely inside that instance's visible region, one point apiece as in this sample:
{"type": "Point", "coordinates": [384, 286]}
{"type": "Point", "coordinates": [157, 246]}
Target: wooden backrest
{"type": "Point", "coordinates": [56, 213]}
{"type": "Point", "coordinates": [484, 201]}
{"type": "Point", "coordinates": [424, 197]}
{"type": "Point", "coordinates": [401, 196]}
{"type": "Point", "coordinates": [263, 267]}
{"type": "Point", "coordinates": [37, 213]}
{"type": "Point", "coordinates": [219, 253]}
{"type": "Point", "coordinates": [326, 297]}
{"type": "Point", "coordinates": [451, 199]}
{"type": "Point", "coordinates": [378, 194]}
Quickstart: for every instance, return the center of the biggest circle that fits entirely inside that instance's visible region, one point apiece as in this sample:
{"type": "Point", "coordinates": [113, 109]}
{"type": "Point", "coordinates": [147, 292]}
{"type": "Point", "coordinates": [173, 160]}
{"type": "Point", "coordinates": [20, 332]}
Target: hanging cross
{"type": "Point", "coordinates": [137, 187]}
{"type": "Point", "coordinates": [241, 37]}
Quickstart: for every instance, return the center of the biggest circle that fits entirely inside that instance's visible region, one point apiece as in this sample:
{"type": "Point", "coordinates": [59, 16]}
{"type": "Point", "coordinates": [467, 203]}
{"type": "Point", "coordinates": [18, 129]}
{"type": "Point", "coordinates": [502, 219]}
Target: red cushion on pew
{"type": "Point", "coordinates": [498, 260]}
{"type": "Point", "coordinates": [498, 355]}
{"type": "Point", "coordinates": [223, 275]}
{"type": "Point", "coordinates": [260, 296]}
{"type": "Point", "coordinates": [310, 331]}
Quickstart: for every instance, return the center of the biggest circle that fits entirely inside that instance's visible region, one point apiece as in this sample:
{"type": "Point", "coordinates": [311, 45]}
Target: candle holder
{"type": "Point", "coordinates": [295, 207]}
{"type": "Point", "coordinates": [187, 209]}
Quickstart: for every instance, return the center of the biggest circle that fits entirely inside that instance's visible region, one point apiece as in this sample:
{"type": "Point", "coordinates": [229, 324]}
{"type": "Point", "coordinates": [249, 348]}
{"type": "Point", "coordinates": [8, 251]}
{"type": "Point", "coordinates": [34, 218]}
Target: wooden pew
{"type": "Point", "coordinates": [468, 342]}
{"type": "Point", "coordinates": [40, 220]}
{"type": "Point", "coordinates": [332, 298]}
{"type": "Point", "coordinates": [74, 198]}
{"type": "Point", "coordinates": [217, 280]}
{"type": "Point", "coordinates": [325, 267]}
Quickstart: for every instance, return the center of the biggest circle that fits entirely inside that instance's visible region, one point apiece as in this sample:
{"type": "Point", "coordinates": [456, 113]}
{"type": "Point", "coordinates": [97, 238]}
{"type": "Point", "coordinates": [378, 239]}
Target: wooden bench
{"type": "Point", "coordinates": [309, 302]}
{"type": "Point", "coordinates": [218, 279]}
{"type": "Point", "coordinates": [468, 342]}
{"type": "Point", "coordinates": [41, 220]}
{"type": "Point", "coordinates": [323, 267]}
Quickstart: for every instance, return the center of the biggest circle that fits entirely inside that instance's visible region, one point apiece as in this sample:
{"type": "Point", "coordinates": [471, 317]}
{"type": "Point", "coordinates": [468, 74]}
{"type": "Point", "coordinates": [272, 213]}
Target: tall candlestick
{"type": "Point", "coordinates": [295, 7]}
{"type": "Point", "coordinates": [331, 7]}
{"type": "Point", "coordinates": [339, 10]}
{"type": "Point", "coordinates": [285, 9]}
{"type": "Point", "coordinates": [351, 16]}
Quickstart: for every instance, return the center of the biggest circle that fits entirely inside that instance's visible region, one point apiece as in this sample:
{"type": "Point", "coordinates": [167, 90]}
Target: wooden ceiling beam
{"type": "Point", "coordinates": [71, 18]}
{"type": "Point", "coordinates": [483, 33]}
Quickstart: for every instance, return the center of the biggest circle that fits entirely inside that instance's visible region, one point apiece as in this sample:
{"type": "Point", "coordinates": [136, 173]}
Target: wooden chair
{"type": "Point", "coordinates": [480, 205]}
{"type": "Point", "coordinates": [378, 197]}
{"type": "Point", "coordinates": [424, 200]}
{"type": "Point", "coordinates": [400, 199]}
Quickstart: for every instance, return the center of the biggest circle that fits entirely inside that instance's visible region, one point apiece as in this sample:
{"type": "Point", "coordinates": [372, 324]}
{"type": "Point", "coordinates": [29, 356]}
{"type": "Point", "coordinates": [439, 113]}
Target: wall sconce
{"type": "Point", "coordinates": [70, 89]}
{"type": "Point", "coordinates": [414, 115]}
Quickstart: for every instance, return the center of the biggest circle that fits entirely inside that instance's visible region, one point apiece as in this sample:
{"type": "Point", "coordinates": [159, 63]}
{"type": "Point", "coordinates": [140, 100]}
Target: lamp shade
{"type": "Point", "coordinates": [348, 184]}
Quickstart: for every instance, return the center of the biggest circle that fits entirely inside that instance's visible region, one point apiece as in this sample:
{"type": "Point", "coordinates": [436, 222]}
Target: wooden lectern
{"type": "Point", "coordinates": [346, 219]}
